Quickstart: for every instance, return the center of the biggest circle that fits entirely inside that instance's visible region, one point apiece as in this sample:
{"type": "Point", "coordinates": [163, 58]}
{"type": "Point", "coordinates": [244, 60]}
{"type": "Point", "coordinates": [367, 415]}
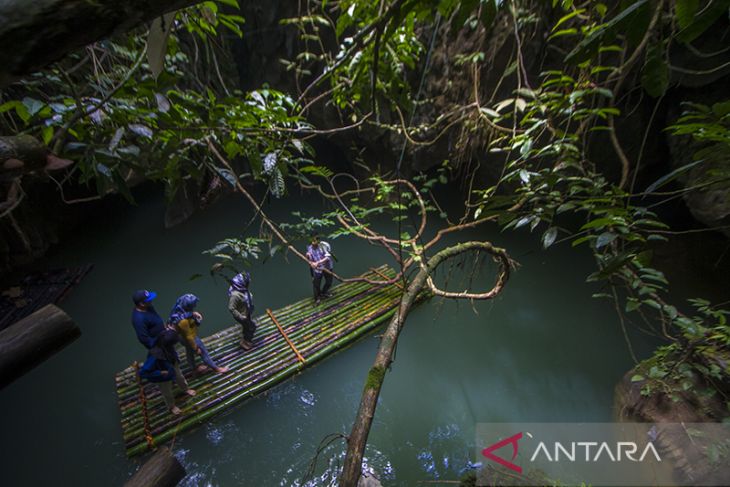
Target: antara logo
{"type": "Point", "coordinates": [592, 452]}
{"type": "Point", "coordinates": [603, 449]}
{"type": "Point", "coordinates": [487, 452]}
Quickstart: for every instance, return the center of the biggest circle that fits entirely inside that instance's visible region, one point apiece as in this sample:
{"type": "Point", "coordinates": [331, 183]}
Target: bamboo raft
{"type": "Point", "coordinates": [287, 340]}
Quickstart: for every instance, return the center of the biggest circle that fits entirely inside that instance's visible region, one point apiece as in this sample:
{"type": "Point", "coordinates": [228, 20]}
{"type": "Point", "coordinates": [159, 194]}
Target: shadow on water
{"type": "Point", "coordinates": [544, 350]}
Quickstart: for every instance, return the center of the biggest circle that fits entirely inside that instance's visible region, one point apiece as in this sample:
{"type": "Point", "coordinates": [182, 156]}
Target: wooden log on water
{"type": "Point", "coordinates": [30, 341]}
{"type": "Point", "coordinates": [161, 470]}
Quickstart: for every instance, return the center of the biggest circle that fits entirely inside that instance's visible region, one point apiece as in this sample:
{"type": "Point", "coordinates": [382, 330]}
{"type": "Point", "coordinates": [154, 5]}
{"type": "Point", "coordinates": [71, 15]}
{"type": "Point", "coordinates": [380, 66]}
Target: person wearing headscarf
{"type": "Point", "coordinates": [240, 304]}
{"type": "Point", "coordinates": [163, 366]}
{"type": "Point", "coordinates": [320, 258]}
{"type": "Point", "coordinates": [186, 320]}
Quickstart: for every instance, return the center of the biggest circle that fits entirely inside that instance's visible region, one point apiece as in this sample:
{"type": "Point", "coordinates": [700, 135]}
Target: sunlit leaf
{"type": "Point", "coordinates": [548, 238]}
{"type": "Point", "coordinates": [157, 42]}
{"type": "Point", "coordinates": [141, 130]}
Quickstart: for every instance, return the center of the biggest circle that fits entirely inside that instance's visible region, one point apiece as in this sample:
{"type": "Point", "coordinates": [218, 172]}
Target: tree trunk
{"type": "Point", "coordinates": [161, 470]}
{"type": "Point", "coordinates": [358, 438]}
{"type": "Point", "coordinates": [30, 341]}
{"type": "Point", "coordinates": [35, 34]}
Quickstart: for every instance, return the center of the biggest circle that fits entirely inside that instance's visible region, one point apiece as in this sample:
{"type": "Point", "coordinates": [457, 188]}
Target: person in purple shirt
{"type": "Point", "coordinates": [146, 321]}
{"type": "Point", "coordinates": [320, 258]}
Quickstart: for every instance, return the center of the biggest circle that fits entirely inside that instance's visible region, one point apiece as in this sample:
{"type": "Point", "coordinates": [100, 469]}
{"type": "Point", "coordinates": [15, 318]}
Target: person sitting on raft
{"type": "Point", "coordinates": [163, 366]}
{"type": "Point", "coordinates": [240, 304]}
{"type": "Point", "coordinates": [320, 256]}
{"type": "Point", "coordinates": [186, 320]}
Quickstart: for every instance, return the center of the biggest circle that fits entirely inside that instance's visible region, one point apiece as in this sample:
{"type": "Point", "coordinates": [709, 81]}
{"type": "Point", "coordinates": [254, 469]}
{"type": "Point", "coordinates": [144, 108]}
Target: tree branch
{"type": "Point", "coordinates": [358, 437]}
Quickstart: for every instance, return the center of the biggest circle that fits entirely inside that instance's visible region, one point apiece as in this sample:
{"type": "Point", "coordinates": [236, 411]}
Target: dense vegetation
{"type": "Point", "coordinates": [537, 91]}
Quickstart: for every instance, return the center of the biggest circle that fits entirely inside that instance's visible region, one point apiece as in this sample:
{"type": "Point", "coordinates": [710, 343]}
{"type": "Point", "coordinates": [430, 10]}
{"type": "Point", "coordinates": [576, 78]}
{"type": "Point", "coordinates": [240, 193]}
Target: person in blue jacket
{"type": "Point", "coordinates": [163, 366]}
{"type": "Point", "coordinates": [146, 321]}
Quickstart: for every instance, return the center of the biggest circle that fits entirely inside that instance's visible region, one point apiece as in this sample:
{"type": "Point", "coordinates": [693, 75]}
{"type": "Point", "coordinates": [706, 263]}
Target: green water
{"type": "Point", "coordinates": [543, 351]}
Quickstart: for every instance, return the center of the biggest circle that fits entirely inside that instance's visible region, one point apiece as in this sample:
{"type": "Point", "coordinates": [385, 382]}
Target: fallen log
{"type": "Point", "coordinates": [30, 341]}
{"type": "Point", "coordinates": [161, 470]}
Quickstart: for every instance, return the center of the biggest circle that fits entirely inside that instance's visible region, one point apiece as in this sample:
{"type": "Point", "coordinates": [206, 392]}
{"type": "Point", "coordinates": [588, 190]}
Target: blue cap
{"type": "Point", "coordinates": [143, 296]}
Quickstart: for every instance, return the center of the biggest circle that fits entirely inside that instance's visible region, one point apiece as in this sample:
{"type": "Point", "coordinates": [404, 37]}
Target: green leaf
{"type": "Point", "coordinates": [591, 43]}
{"type": "Point", "coordinates": [227, 175]}
{"type": "Point", "coordinates": [8, 105]}
{"type": "Point", "coordinates": [632, 305]}
{"type": "Point", "coordinates": [254, 159]}
{"type": "Point", "coordinates": [721, 108]}
{"type": "Point", "coordinates": [157, 42]}
{"type": "Point", "coordinates": [230, 3]}
{"type": "Point", "coordinates": [637, 378]}
{"type": "Point", "coordinates": [604, 239]}
{"type": "Point", "coordinates": [655, 73]}
{"type": "Point", "coordinates": [684, 11]}
{"type": "Point", "coordinates": [101, 168]}
{"type": "Point", "coordinates": [548, 238]}
{"type": "Point", "coordinates": [671, 311]}
{"type": "Point", "coordinates": [656, 373]}
{"type": "Point", "coordinates": [567, 17]}
{"type": "Point", "coordinates": [671, 176]}
{"type": "Point", "coordinates": [598, 223]}
{"type": "Point", "coordinates": [524, 176]}
{"type": "Point", "coordinates": [47, 133]}
{"type": "Point", "coordinates": [524, 221]}
{"type": "Point", "coordinates": [33, 105]}
{"type": "Point", "coordinates": [579, 241]}
{"type": "Point", "coordinates": [635, 26]}
{"type": "Point", "coordinates": [703, 20]}
{"type": "Point", "coordinates": [232, 148]}
{"type": "Point", "coordinates": [22, 112]}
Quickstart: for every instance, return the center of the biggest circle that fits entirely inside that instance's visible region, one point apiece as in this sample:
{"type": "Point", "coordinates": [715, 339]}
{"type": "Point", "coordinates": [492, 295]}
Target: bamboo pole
{"type": "Point", "coordinates": [283, 333]}
{"type": "Point", "coordinates": [386, 277]}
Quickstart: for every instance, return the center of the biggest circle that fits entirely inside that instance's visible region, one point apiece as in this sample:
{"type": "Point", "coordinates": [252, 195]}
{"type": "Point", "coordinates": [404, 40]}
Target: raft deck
{"type": "Point", "coordinates": [310, 333]}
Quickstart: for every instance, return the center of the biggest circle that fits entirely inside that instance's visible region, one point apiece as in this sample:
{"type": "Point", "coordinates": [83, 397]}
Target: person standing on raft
{"type": "Point", "coordinates": [320, 258]}
{"type": "Point", "coordinates": [163, 366]}
{"type": "Point", "coordinates": [186, 320]}
{"type": "Point", "coordinates": [240, 304]}
{"type": "Point", "coordinates": [146, 321]}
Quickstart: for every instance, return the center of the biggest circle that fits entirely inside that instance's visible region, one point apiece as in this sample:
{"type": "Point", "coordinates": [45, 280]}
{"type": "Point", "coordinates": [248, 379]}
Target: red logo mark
{"type": "Point", "coordinates": [487, 452]}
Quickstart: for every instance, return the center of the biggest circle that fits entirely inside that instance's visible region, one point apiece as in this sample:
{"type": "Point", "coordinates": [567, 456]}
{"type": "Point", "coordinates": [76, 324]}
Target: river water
{"type": "Point", "coordinates": [544, 350]}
